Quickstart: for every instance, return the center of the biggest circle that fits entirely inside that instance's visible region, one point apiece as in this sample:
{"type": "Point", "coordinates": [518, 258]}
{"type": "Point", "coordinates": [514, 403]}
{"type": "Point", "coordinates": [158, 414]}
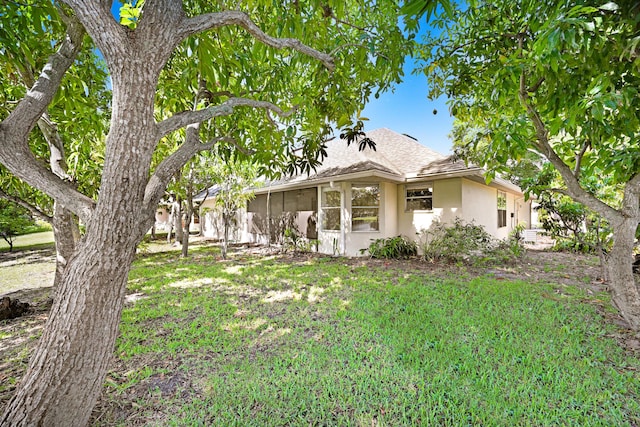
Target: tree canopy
{"type": "Point", "coordinates": [14, 221]}
{"type": "Point", "coordinates": [559, 80]}
{"type": "Point", "coordinates": [261, 78]}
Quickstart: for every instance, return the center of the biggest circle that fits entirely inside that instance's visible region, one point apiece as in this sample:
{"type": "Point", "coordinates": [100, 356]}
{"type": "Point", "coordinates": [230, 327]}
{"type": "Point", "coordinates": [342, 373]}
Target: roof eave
{"type": "Point", "coordinates": [312, 182]}
{"type": "Point", "coordinates": [473, 173]}
{"type": "Point", "coordinates": [443, 175]}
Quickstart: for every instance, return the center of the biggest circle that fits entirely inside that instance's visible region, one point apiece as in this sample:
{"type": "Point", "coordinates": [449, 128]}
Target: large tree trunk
{"type": "Point", "coordinates": [624, 288]}
{"type": "Point", "coordinates": [67, 371]}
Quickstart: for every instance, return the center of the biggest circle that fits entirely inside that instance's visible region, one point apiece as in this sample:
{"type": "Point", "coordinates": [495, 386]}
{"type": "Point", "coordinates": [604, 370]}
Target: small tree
{"type": "Point", "coordinates": [13, 221]}
{"type": "Point", "coordinates": [234, 180]}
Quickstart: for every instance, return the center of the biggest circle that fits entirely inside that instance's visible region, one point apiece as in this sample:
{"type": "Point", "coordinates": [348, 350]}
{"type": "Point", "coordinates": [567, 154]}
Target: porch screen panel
{"type": "Point", "coordinates": [330, 209]}
{"type": "Point", "coordinates": [365, 208]}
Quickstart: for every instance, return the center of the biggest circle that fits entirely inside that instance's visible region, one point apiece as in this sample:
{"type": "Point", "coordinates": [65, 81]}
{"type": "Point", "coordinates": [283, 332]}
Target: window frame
{"type": "Point", "coordinates": [502, 211]}
{"type": "Point", "coordinates": [324, 208]}
{"type": "Point", "coordinates": [357, 207]}
{"type": "Point", "coordinates": [421, 186]}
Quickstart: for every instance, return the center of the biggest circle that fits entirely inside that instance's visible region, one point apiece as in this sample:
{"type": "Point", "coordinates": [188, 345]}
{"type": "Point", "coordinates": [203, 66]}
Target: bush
{"type": "Point", "coordinates": [469, 242]}
{"type": "Point", "coordinates": [293, 241]}
{"type": "Point", "coordinates": [399, 247]}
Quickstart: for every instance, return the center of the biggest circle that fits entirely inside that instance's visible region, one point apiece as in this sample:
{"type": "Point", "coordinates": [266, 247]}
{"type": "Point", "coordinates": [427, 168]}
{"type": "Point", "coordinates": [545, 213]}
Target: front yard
{"type": "Point", "coordinates": [271, 341]}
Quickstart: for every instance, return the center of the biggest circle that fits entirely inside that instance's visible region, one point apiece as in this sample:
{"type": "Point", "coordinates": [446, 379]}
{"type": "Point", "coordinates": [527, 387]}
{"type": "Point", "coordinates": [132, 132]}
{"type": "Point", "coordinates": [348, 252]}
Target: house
{"type": "Point", "coordinates": [399, 188]}
{"type": "Point", "coordinates": [211, 224]}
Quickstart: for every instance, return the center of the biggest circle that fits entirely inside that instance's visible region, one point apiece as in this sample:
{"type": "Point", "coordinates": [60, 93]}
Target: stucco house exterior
{"type": "Point", "coordinates": [399, 188]}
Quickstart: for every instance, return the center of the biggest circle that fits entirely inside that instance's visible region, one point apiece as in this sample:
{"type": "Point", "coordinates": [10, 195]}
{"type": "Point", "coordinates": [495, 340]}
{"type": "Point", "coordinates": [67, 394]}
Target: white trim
{"type": "Point", "coordinates": [414, 186]}
{"type": "Point", "coordinates": [312, 182]}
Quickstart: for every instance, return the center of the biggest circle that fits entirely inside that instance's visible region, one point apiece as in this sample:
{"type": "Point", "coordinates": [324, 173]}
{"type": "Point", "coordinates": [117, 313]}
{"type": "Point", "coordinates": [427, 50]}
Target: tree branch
{"type": "Point", "coordinates": [15, 153]}
{"type": "Point", "coordinates": [574, 189]}
{"type": "Point", "coordinates": [579, 156]}
{"type": "Point", "coordinates": [38, 98]}
{"type": "Point", "coordinates": [198, 24]}
{"type": "Point", "coordinates": [100, 24]}
{"type": "Point", "coordinates": [168, 167]}
{"type": "Point", "coordinates": [185, 118]}
{"type": "Point", "coordinates": [31, 208]}
{"type": "Point", "coordinates": [57, 161]}
{"type": "Point", "coordinates": [536, 86]}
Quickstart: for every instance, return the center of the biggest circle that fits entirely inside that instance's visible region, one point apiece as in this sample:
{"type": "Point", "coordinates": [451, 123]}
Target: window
{"type": "Point", "coordinates": [420, 198]}
{"type": "Point", "coordinates": [330, 209]}
{"type": "Point", "coordinates": [365, 205]}
{"type": "Point", "coordinates": [502, 209]}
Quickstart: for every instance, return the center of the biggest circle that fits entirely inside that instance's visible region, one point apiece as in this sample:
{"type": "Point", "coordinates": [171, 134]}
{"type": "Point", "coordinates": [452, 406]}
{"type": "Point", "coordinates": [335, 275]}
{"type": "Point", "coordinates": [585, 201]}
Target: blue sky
{"type": "Point", "coordinates": [407, 110]}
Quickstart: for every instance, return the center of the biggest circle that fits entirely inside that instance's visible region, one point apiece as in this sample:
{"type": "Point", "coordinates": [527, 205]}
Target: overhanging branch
{"type": "Point", "coordinates": [15, 153]}
{"type": "Point", "coordinates": [574, 189]}
{"type": "Point", "coordinates": [198, 24]}
{"type": "Point", "coordinates": [169, 166]}
{"type": "Point", "coordinates": [31, 208]}
{"type": "Point", "coordinates": [185, 118]}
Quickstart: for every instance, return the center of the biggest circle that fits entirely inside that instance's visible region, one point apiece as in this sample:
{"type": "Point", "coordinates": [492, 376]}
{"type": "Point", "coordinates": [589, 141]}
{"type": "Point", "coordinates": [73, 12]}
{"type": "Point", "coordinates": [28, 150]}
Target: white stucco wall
{"type": "Point", "coordinates": [212, 226]}
{"type": "Point", "coordinates": [524, 212]}
{"type": "Point", "coordinates": [447, 206]}
{"type": "Point", "coordinates": [389, 197]}
{"type": "Point", "coordinates": [480, 203]}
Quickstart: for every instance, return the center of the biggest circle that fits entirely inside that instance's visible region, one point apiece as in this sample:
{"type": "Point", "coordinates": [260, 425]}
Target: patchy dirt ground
{"type": "Point", "coordinates": [19, 336]}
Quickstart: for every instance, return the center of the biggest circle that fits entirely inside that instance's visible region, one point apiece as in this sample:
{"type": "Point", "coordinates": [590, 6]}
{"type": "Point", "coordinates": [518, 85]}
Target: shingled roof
{"type": "Point", "coordinates": [447, 165]}
{"type": "Point", "coordinates": [394, 155]}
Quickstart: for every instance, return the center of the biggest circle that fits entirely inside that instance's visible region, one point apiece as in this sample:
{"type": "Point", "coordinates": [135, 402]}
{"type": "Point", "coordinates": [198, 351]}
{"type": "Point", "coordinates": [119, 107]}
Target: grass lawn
{"type": "Point", "coordinates": [33, 240]}
{"type": "Point", "coordinates": [323, 341]}
{"type": "Point", "coordinates": [30, 265]}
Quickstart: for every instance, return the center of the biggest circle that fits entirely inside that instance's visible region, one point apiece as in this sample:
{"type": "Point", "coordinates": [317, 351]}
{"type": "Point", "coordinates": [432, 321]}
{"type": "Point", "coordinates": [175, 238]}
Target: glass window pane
{"type": "Point", "coordinates": [368, 195]}
{"type": "Point", "coordinates": [331, 219]}
{"type": "Point", "coordinates": [420, 192]}
{"type": "Point", "coordinates": [420, 198]}
{"type": "Point", "coordinates": [502, 200]}
{"type": "Point", "coordinates": [419, 204]}
{"type": "Point", "coordinates": [331, 198]}
{"type": "Point", "coordinates": [364, 219]}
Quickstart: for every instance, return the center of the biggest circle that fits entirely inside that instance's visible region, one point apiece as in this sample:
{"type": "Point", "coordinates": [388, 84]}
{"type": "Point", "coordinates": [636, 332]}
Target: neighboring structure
{"type": "Point", "coordinates": [399, 188]}
{"type": "Point", "coordinates": [211, 224]}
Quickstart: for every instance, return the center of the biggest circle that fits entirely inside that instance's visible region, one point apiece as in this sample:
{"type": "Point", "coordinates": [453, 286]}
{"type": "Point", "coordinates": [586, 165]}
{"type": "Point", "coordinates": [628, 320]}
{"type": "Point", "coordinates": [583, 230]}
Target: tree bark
{"type": "Point", "coordinates": [66, 235]}
{"type": "Point", "coordinates": [619, 263]}
{"type": "Point", "coordinates": [66, 373]}
{"type": "Point", "coordinates": [178, 222]}
{"type": "Point", "coordinates": [67, 370]}
{"type": "Point", "coordinates": [187, 223]}
{"type": "Point", "coordinates": [170, 225]}
{"type": "Point", "coordinates": [225, 233]}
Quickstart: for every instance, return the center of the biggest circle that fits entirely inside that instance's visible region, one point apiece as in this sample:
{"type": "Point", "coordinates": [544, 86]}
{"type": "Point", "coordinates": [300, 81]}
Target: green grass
{"type": "Point", "coordinates": [35, 240]}
{"type": "Point", "coordinates": [261, 342]}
